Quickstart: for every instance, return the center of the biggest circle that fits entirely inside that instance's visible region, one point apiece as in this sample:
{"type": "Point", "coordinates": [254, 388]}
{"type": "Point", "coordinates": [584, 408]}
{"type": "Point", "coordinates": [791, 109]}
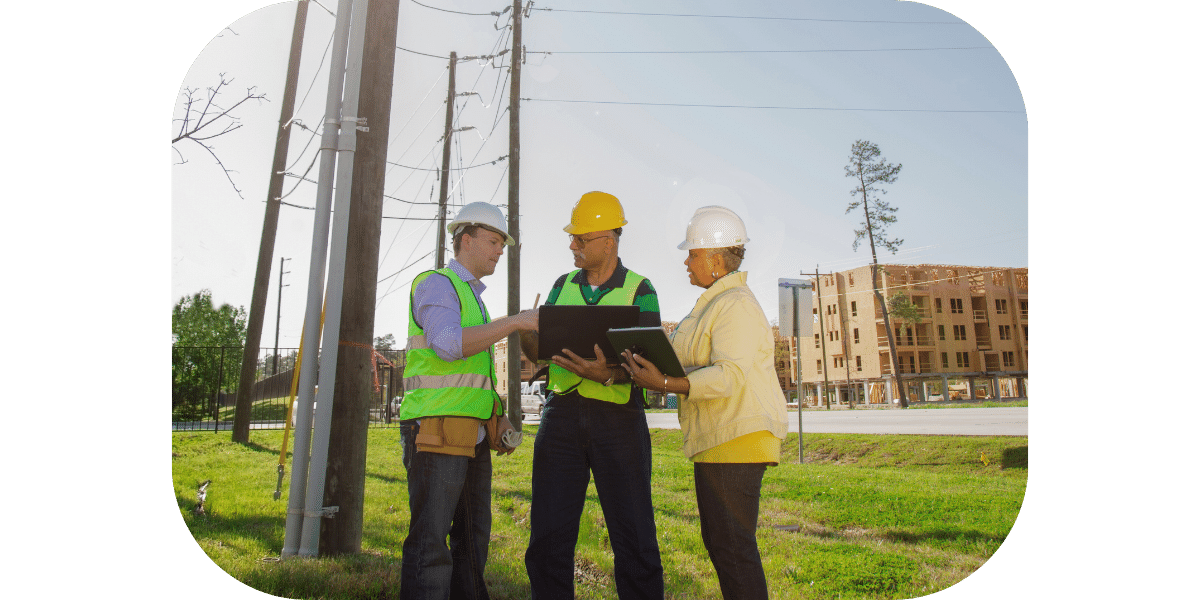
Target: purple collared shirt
{"type": "Point", "coordinates": [438, 312]}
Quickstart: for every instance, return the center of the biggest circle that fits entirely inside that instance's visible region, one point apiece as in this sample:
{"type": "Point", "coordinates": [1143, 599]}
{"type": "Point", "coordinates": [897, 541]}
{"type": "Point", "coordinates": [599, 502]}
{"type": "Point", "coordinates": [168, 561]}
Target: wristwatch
{"type": "Point", "coordinates": [612, 375]}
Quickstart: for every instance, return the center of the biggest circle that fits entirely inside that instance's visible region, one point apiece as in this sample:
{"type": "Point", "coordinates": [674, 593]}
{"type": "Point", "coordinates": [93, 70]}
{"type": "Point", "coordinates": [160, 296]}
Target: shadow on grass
{"type": "Point", "coordinates": [386, 478]}
{"type": "Point", "coordinates": [267, 530]}
{"type": "Point", "coordinates": [1016, 458]}
{"type": "Point", "coordinates": [261, 448]}
{"type": "Point", "coordinates": [944, 535]}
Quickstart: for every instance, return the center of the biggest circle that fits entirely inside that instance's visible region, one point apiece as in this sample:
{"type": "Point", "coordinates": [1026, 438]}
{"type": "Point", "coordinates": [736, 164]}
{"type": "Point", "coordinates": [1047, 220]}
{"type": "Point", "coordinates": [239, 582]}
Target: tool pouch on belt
{"type": "Point", "coordinates": [501, 435]}
{"type": "Point", "coordinates": [448, 435]}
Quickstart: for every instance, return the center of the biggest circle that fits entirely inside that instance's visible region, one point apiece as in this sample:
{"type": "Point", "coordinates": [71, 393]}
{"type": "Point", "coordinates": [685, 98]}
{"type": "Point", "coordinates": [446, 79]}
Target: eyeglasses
{"type": "Point", "coordinates": [581, 241]}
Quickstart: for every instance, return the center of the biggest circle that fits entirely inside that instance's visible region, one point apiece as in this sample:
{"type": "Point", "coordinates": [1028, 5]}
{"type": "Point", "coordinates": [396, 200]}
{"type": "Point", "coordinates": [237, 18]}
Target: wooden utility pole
{"type": "Point", "coordinates": [440, 260]}
{"type": "Point", "coordinates": [266, 246]}
{"type": "Point", "coordinates": [514, 221]}
{"type": "Point", "coordinates": [345, 474]}
{"type": "Point", "coordinates": [824, 340]}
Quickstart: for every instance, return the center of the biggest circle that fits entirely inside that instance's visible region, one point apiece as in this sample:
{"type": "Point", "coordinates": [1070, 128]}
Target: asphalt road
{"type": "Point", "coordinates": [945, 421]}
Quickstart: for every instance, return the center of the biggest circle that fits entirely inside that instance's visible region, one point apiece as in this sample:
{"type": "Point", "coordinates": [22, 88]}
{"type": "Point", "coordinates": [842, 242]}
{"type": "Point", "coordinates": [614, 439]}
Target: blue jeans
{"type": "Point", "coordinates": [579, 435]}
{"type": "Point", "coordinates": [447, 496]}
{"type": "Point", "coordinates": [727, 496]}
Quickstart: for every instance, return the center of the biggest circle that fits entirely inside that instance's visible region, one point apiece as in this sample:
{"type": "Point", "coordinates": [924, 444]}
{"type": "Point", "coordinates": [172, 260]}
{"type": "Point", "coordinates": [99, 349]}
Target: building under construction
{"type": "Point", "coordinates": [968, 335]}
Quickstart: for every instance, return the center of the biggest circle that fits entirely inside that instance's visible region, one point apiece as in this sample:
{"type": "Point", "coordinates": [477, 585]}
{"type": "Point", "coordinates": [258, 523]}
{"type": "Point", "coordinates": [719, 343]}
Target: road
{"type": "Point", "coordinates": [945, 421]}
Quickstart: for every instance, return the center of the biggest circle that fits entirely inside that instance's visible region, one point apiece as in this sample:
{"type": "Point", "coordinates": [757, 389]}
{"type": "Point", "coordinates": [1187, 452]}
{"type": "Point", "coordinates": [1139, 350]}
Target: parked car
{"type": "Point", "coordinates": [533, 397]}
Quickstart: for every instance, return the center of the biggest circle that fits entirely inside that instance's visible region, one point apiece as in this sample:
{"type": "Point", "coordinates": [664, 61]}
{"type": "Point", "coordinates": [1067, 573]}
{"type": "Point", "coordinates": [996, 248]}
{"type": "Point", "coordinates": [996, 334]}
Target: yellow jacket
{"type": "Point", "coordinates": [734, 389]}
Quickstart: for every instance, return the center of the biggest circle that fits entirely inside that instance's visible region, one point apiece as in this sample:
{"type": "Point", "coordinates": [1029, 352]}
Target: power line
{"type": "Point", "coordinates": [639, 14]}
{"type": "Point", "coordinates": [424, 54]}
{"type": "Point", "coordinates": [453, 169]}
{"type": "Point", "coordinates": [491, 14]}
{"type": "Point", "coordinates": [925, 110]}
{"type": "Point", "coordinates": [410, 265]}
{"type": "Point", "coordinates": [759, 51]}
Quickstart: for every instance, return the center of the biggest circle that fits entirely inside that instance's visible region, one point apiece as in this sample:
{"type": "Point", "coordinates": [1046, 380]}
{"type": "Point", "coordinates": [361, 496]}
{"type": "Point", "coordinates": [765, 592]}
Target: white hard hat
{"type": "Point", "coordinates": [484, 214]}
{"type": "Point", "coordinates": [714, 227]}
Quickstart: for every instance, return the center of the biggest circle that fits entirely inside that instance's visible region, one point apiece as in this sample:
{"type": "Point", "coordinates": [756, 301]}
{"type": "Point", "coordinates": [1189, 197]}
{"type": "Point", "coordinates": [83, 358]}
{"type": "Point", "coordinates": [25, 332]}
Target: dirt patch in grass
{"type": "Point", "coordinates": [589, 575]}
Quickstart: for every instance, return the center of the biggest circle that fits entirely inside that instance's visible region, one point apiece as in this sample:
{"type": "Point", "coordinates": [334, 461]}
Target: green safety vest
{"type": "Point", "coordinates": [563, 381]}
{"type": "Point", "coordinates": [435, 387]}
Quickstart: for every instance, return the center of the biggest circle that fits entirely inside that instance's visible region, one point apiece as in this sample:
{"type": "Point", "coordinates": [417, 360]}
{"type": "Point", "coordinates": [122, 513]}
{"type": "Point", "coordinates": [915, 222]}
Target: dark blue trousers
{"type": "Point", "coordinates": [447, 496]}
{"type": "Point", "coordinates": [579, 437]}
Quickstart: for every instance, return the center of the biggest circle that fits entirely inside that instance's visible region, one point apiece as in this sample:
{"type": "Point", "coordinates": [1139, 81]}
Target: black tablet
{"type": "Point", "coordinates": [580, 328]}
{"type": "Point", "coordinates": [650, 343]}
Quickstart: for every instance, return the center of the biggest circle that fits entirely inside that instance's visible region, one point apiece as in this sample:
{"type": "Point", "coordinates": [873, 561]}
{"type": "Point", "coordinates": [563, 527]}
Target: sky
{"type": "Point", "coordinates": [668, 113]}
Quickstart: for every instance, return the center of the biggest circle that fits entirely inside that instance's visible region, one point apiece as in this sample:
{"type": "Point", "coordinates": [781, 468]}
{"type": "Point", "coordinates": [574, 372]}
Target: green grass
{"type": "Point", "coordinates": [972, 404]}
{"type": "Point", "coordinates": [866, 516]}
{"type": "Point", "coordinates": [266, 409]}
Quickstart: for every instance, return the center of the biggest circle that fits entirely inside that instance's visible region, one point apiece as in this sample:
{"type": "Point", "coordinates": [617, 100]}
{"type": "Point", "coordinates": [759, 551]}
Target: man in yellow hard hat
{"type": "Point", "coordinates": [594, 422]}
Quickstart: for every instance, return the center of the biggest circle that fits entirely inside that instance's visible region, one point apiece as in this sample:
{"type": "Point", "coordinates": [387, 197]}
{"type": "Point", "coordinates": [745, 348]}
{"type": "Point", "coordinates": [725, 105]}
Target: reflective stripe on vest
{"type": "Point", "coordinates": [562, 380]}
{"type": "Point", "coordinates": [435, 387]}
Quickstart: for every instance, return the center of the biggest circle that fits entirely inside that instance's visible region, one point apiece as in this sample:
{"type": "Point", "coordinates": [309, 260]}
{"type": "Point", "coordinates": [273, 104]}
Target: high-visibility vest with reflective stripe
{"type": "Point", "coordinates": [435, 387]}
{"type": "Point", "coordinates": [562, 380]}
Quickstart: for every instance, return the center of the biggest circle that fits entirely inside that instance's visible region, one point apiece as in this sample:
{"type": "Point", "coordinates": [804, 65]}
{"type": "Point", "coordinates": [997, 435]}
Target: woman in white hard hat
{"type": "Point", "coordinates": [732, 411]}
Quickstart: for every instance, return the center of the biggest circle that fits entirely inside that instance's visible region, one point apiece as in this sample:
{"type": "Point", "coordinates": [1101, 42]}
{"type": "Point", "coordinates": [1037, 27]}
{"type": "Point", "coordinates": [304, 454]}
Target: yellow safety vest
{"type": "Point", "coordinates": [435, 387]}
{"type": "Point", "coordinates": [563, 381]}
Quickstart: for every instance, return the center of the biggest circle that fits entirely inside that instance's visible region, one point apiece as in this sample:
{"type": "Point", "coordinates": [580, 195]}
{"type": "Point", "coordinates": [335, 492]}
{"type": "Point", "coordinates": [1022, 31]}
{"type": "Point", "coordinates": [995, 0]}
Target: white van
{"type": "Point", "coordinates": [533, 397]}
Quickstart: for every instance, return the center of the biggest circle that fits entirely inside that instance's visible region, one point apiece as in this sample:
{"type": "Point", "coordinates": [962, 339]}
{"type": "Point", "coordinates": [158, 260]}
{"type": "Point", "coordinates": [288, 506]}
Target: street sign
{"type": "Point", "coordinates": [788, 309]}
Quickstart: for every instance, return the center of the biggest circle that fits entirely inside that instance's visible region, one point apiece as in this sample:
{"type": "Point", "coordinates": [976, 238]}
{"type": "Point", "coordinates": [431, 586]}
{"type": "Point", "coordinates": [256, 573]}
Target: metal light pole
{"type": "Point", "coordinates": [792, 313]}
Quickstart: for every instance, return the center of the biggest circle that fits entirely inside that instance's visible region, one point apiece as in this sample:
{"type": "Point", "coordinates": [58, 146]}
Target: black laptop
{"type": "Point", "coordinates": [580, 328]}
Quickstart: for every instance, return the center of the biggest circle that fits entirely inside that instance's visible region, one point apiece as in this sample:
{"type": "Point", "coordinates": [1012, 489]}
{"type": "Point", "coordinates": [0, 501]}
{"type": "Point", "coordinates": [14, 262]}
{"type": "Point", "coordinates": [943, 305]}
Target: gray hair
{"type": "Point", "coordinates": [732, 255]}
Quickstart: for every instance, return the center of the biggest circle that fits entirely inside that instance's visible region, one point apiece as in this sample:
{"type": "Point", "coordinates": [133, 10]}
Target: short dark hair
{"type": "Point", "coordinates": [464, 230]}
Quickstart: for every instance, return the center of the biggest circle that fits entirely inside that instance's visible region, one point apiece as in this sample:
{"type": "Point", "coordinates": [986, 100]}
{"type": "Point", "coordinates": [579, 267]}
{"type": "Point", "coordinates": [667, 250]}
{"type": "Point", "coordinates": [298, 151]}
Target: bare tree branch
{"type": "Point", "coordinates": [195, 119]}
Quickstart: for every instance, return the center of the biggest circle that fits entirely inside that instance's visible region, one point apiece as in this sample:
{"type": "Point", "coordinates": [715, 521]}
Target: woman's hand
{"type": "Point", "coordinates": [643, 372]}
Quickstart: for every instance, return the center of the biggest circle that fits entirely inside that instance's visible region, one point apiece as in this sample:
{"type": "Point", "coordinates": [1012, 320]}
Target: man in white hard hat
{"type": "Point", "coordinates": [594, 425]}
{"type": "Point", "coordinates": [450, 383]}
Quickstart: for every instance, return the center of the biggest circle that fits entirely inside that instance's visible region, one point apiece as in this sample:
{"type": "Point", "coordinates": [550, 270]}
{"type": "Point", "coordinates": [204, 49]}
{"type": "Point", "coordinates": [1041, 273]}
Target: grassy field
{"type": "Point", "coordinates": [866, 516]}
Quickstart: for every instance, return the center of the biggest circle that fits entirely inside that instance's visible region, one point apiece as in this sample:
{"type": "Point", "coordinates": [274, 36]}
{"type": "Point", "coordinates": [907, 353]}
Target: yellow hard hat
{"type": "Point", "coordinates": [596, 211]}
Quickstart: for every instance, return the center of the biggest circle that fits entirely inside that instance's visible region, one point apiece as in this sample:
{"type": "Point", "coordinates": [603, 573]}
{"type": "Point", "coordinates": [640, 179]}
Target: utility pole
{"type": "Point", "coordinates": [345, 474]}
{"type": "Point", "coordinates": [514, 221]}
{"type": "Point", "coordinates": [824, 341]}
{"type": "Point", "coordinates": [440, 260]}
{"type": "Point", "coordinates": [278, 310]}
{"type": "Point", "coordinates": [850, 392]}
{"type": "Point", "coordinates": [266, 247]}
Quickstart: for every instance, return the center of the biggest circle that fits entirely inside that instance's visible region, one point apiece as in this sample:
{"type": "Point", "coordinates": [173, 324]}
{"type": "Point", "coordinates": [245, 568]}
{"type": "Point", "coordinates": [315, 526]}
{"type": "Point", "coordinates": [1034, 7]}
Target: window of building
{"type": "Point", "coordinates": [1024, 308]}
{"type": "Point", "coordinates": [854, 308]}
{"type": "Point", "coordinates": [964, 360]}
{"type": "Point", "coordinates": [855, 335]}
{"type": "Point", "coordinates": [960, 332]}
{"type": "Point", "coordinates": [956, 306]}
{"type": "Point", "coordinates": [1001, 306]}
{"type": "Point", "coordinates": [1025, 328]}
{"type": "Point", "coordinates": [937, 305]}
{"type": "Point", "coordinates": [858, 363]}
{"type": "Point", "coordinates": [942, 332]}
{"type": "Point", "coordinates": [945, 360]}
{"type": "Point", "coordinates": [1005, 332]}
{"type": "Point", "coordinates": [819, 371]}
{"type": "Point", "coordinates": [817, 340]}
{"type": "Point", "coordinates": [851, 278]}
{"type": "Point", "coordinates": [837, 335]}
{"type": "Point", "coordinates": [1009, 359]}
